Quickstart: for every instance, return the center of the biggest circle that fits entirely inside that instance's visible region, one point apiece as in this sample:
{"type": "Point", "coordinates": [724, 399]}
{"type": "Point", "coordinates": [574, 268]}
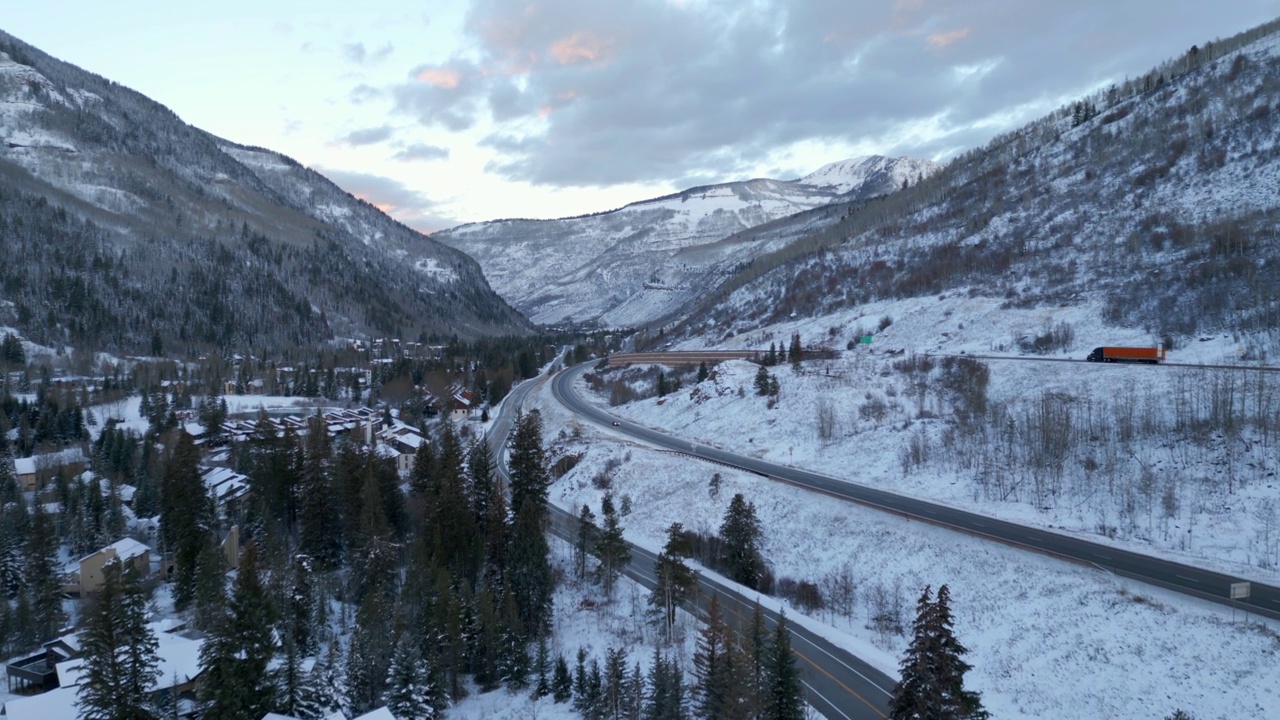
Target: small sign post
{"type": "Point", "coordinates": [1239, 591]}
{"type": "Point", "coordinates": [865, 339]}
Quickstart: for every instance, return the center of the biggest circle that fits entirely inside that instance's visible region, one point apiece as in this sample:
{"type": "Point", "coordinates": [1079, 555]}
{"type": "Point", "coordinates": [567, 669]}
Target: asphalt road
{"type": "Point", "coordinates": [1187, 579]}
{"type": "Point", "coordinates": [837, 683]}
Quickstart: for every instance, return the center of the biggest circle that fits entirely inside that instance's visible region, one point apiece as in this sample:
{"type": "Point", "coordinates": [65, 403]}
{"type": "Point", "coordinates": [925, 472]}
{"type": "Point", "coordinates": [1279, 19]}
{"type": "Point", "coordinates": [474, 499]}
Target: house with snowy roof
{"type": "Point", "coordinates": [84, 576]}
{"type": "Point", "coordinates": [179, 666]}
{"type": "Point", "coordinates": [226, 485]}
{"type": "Point", "coordinates": [34, 471]}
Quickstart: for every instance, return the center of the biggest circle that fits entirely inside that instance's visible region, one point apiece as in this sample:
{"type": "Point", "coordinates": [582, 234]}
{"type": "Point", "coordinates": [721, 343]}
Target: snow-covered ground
{"type": "Point", "coordinates": [1048, 639]}
{"type": "Point", "coordinates": [1220, 493]}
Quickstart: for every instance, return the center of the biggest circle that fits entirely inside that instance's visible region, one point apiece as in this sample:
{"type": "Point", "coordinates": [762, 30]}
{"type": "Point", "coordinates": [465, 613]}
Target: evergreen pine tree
{"type": "Point", "coordinates": [580, 681]}
{"type": "Point", "coordinates": [932, 682]}
{"type": "Point", "coordinates": [210, 591]}
{"type": "Point", "coordinates": [719, 692]}
{"type": "Point", "coordinates": [783, 694]}
{"type": "Point", "coordinates": [291, 683]}
{"type": "Point", "coordinates": [480, 489]}
{"type": "Point", "coordinates": [234, 658]}
{"type": "Point", "coordinates": [610, 547]}
{"type": "Point", "coordinates": [703, 373]}
{"type": "Point", "coordinates": [530, 477]}
{"type": "Point", "coordinates": [762, 381]}
{"type": "Point", "coordinates": [741, 535]}
{"type": "Point", "coordinates": [585, 541]}
{"type": "Point", "coordinates": [120, 665]}
{"type": "Point", "coordinates": [43, 578]}
{"type": "Point", "coordinates": [186, 517]}
{"type": "Point", "coordinates": [408, 695]}
{"type": "Point", "coordinates": [529, 573]}
{"type": "Point", "coordinates": [796, 354]}
{"type": "Point", "coordinates": [319, 535]}
{"type": "Point", "coordinates": [542, 670]}
{"type": "Point", "coordinates": [615, 681]}
{"type": "Point", "coordinates": [675, 581]}
{"type": "Point", "coordinates": [561, 681]}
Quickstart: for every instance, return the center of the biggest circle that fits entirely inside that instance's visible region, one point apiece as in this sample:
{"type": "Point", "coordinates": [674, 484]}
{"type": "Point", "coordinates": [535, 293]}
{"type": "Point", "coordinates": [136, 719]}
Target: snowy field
{"type": "Point", "coordinates": [1048, 639]}
{"type": "Point", "coordinates": [1225, 509]}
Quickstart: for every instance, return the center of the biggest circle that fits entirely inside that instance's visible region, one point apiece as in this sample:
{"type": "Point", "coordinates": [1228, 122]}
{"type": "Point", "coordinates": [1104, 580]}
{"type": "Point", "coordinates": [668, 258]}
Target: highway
{"type": "Point", "coordinates": [837, 683]}
{"type": "Point", "coordinates": [1190, 580]}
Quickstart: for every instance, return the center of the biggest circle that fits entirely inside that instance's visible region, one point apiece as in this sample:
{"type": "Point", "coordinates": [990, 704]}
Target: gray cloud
{"type": "Point", "coordinates": [391, 197]}
{"type": "Point", "coordinates": [368, 136]}
{"type": "Point", "coordinates": [358, 54]}
{"type": "Point", "coordinates": [634, 90]}
{"type": "Point", "coordinates": [421, 152]}
{"type": "Point", "coordinates": [363, 93]}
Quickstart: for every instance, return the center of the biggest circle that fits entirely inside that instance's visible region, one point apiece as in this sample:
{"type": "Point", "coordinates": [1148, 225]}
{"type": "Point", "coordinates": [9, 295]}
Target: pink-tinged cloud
{"type": "Point", "coordinates": [943, 39]}
{"type": "Point", "coordinates": [544, 111]}
{"type": "Point", "coordinates": [440, 77]}
{"type": "Point", "coordinates": [579, 48]}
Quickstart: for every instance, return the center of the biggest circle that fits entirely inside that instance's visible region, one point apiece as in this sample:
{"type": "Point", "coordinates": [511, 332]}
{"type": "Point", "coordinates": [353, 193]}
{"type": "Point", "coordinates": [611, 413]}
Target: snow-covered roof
{"type": "Point", "coordinates": [179, 659]}
{"type": "Point", "coordinates": [225, 482]}
{"type": "Point", "coordinates": [59, 704]}
{"type": "Point", "coordinates": [25, 466]}
{"type": "Point", "coordinates": [381, 713]}
{"type": "Point", "coordinates": [124, 549]}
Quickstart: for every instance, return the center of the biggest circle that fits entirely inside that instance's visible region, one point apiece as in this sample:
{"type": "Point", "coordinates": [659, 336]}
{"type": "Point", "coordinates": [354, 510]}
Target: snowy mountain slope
{"type": "Point", "coordinates": [173, 235]}
{"type": "Point", "coordinates": [1157, 199]}
{"type": "Point", "coordinates": [869, 175]}
{"type": "Point", "coordinates": [626, 267]}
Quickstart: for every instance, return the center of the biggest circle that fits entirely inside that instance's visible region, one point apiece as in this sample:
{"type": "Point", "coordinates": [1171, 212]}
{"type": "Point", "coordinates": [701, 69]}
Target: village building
{"type": "Point", "coordinates": [85, 576]}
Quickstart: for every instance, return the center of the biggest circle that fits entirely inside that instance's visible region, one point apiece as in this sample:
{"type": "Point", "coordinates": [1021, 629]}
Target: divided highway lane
{"type": "Point", "coordinates": [837, 684]}
{"type": "Point", "coordinates": [1187, 579]}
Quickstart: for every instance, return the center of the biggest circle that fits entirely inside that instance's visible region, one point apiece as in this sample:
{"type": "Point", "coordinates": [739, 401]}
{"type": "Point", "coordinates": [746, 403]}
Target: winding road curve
{"type": "Point", "coordinates": [1194, 581]}
{"type": "Point", "coordinates": [837, 683]}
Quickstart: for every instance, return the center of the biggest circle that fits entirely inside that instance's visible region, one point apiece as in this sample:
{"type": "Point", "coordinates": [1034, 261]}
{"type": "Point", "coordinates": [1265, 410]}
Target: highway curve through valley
{"type": "Point", "coordinates": [837, 683]}
{"type": "Point", "coordinates": [1197, 582]}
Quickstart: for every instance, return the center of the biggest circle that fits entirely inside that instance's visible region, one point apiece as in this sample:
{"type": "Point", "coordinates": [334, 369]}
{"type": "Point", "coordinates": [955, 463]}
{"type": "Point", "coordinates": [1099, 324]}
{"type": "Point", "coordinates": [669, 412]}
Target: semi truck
{"type": "Point", "coordinates": [1127, 354]}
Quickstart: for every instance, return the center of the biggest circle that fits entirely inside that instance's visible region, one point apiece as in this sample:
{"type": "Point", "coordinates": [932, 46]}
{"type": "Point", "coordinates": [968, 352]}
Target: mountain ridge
{"type": "Point", "coordinates": [600, 268]}
{"type": "Point", "coordinates": [327, 265]}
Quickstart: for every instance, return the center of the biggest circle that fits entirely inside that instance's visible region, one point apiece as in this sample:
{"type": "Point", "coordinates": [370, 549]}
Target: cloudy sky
{"type": "Point", "coordinates": [450, 111]}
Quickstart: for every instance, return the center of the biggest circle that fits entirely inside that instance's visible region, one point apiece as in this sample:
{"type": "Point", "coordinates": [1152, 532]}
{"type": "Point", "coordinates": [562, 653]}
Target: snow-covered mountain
{"type": "Point", "coordinates": [1156, 200]}
{"type": "Point", "coordinates": [643, 262]}
{"type": "Point", "coordinates": [869, 175]}
{"type": "Point", "coordinates": [154, 230]}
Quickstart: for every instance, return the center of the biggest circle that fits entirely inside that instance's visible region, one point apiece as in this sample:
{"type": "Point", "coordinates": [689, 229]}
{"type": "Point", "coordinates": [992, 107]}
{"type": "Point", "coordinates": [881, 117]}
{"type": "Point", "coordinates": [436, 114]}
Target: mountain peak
{"type": "Point", "coordinates": [870, 170]}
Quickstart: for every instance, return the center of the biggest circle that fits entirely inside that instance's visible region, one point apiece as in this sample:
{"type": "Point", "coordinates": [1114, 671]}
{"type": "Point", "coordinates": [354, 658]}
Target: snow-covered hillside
{"type": "Point", "coordinates": [1029, 621]}
{"type": "Point", "coordinates": [640, 263]}
{"type": "Point", "coordinates": [111, 179]}
{"type": "Point", "coordinates": [1156, 199]}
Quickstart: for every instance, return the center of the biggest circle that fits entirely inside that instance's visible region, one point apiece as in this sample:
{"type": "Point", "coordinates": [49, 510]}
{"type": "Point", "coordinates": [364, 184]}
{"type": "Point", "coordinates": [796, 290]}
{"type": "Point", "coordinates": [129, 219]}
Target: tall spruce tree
{"type": "Point", "coordinates": [530, 477]}
{"type": "Point", "coordinates": [235, 683]}
{"type": "Point", "coordinates": [43, 578]}
{"type": "Point", "coordinates": [320, 534]}
{"type": "Point", "coordinates": [119, 659]}
{"type": "Point", "coordinates": [783, 693]}
{"type": "Point", "coordinates": [610, 547]}
{"type": "Point", "coordinates": [722, 690]}
{"type": "Point", "coordinates": [741, 535]}
{"type": "Point", "coordinates": [408, 691]}
{"type": "Point", "coordinates": [675, 581]}
{"type": "Point", "coordinates": [186, 517]}
{"type": "Point", "coordinates": [585, 541]}
{"type": "Point", "coordinates": [529, 575]}
{"type": "Point", "coordinates": [932, 683]}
